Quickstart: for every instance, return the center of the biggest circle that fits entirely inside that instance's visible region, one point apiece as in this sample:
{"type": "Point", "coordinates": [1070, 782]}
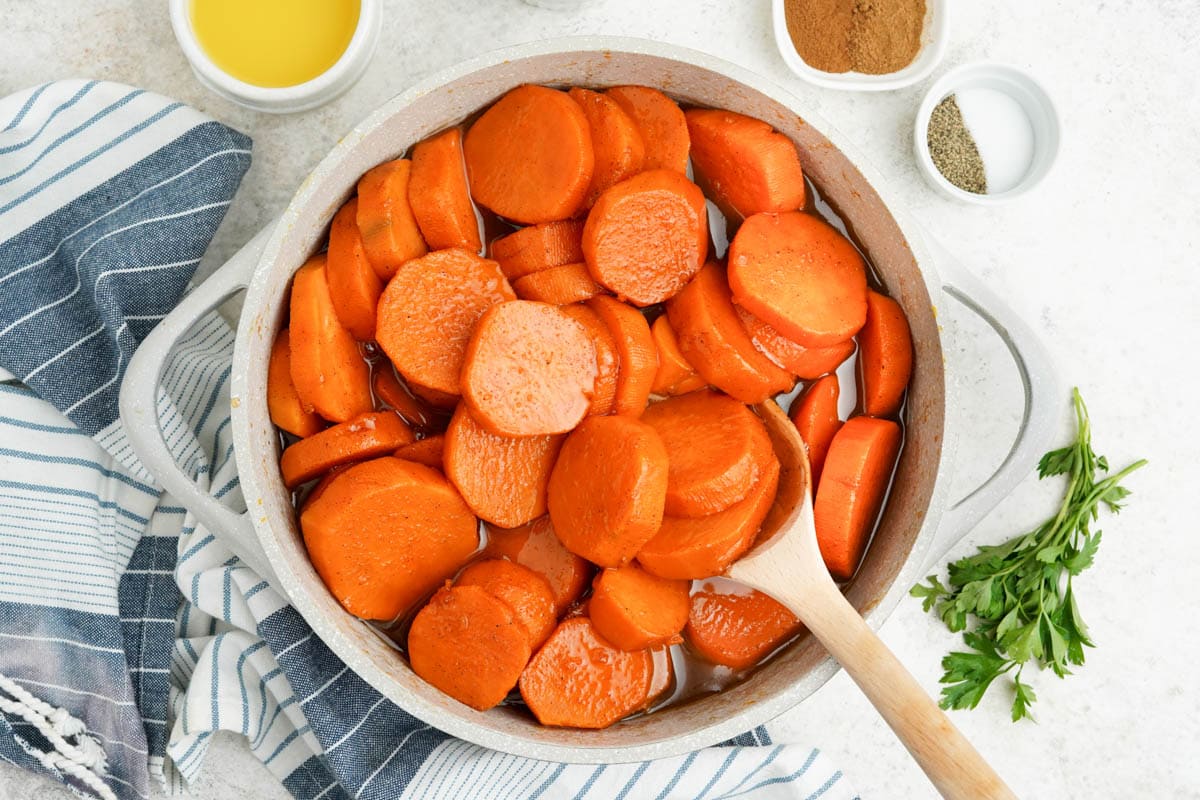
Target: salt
{"type": "Point", "coordinates": [1002, 132]}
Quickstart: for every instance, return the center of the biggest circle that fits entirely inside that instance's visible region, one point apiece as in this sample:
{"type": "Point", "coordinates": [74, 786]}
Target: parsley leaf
{"type": "Point", "coordinates": [1023, 697]}
{"type": "Point", "coordinates": [931, 593]}
{"type": "Point", "coordinates": [1015, 602]}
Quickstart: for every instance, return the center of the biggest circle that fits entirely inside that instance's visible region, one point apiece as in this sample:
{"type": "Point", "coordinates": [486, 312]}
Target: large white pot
{"type": "Point", "coordinates": [918, 524]}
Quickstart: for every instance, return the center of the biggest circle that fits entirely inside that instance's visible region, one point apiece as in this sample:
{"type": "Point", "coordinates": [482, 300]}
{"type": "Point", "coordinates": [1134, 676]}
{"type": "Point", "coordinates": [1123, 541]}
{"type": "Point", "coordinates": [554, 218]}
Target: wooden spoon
{"type": "Point", "coordinates": [787, 565]}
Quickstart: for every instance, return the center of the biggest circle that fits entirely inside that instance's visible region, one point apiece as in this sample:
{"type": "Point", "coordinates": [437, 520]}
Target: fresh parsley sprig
{"type": "Point", "coordinates": [1019, 595]}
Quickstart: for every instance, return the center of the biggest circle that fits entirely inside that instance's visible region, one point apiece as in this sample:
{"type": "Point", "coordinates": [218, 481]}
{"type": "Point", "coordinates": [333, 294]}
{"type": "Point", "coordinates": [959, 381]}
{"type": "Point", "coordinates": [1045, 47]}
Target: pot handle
{"type": "Point", "coordinates": [139, 407]}
{"type": "Point", "coordinates": [1043, 400]}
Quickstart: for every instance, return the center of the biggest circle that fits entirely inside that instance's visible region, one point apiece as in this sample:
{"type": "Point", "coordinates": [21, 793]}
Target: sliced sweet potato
{"type": "Point", "coordinates": [526, 593]}
{"type": "Point", "coordinates": [885, 363]}
{"type": "Point", "coordinates": [390, 234]}
{"type": "Point", "coordinates": [798, 274]}
{"type": "Point", "coordinates": [469, 644]}
{"type": "Point", "coordinates": [661, 122]}
{"type": "Point", "coordinates": [637, 357]}
{"type": "Point", "coordinates": [502, 478]}
{"type": "Point", "coordinates": [286, 409]}
{"type": "Point", "coordinates": [428, 451]}
{"type": "Point", "coordinates": [701, 547]}
{"type": "Point", "coordinates": [713, 340]}
{"type": "Point", "coordinates": [746, 166]}
{"type": "Point", "coordinates": [529, 370]}
{"type": "Point", "coordinates": [736, 626]}
{"type": "Point", "coordinates": [673, 368]}
{"type": "Point", "coordinates": [420, 416]}
{"type": "Point", "coordinates": [608, 488]}
{"type": "Point", "coordinates": [647, 236]}
{"type": "Point", "coordinates": [616, 142]}
{"type": "Point", "coordinates": [716, 449]}
{"type": "Point", "coordinates": [806, 363]}
{"type": "Point", "coordinates": [369, 435]}
{"type": "Point", "coordinates": [607, 360]}
{"type": "Point", "coordinates": [854, 481]}
{"type": "Point", "coordinates": [385, 533]}
{"type": "Point", "coordinates": [428, 310]}
{"type": "Point", "coordinates": [579, 680]}
{"type": "Point", "coordinates": [353, 285]}
{"type": "Point", "coordinates": [536, 546]}
{"type": "Point", "coordinates": [438, 194]}
{"type": "Point", "coordinates": [815, 414]}
{"type": "Point", "coordinates": [538, 247]}
{"type": "Point", "coordinates": [529, 156]}
{"type": "Point", "coordinates": [559, 286]}
{"type": "Point", "coordinates": [328, 372]}
{"type": "Point", "coordinates": [634, 610]}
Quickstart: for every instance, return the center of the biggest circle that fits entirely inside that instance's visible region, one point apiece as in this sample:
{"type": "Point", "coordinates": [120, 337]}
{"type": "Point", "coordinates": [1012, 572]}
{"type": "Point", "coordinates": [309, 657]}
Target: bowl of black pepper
{"type": "Point", "coordinates": [986, 133]}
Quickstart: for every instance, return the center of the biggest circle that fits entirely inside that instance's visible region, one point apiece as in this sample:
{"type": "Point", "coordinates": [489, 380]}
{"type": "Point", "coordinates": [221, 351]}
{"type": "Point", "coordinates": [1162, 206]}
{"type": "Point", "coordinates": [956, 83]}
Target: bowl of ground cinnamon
{"type": "Point", "coordinates": [861, 45]}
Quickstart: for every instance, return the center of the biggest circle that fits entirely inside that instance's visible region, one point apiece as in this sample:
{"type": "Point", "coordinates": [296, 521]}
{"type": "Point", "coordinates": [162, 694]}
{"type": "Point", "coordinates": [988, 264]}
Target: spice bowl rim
{"type": "Point", "coordinates": [936, 36]}
{"type": "Point", "coordinates": [1028, 89]}
{"type": "Point", "coordinates": [305, 96]}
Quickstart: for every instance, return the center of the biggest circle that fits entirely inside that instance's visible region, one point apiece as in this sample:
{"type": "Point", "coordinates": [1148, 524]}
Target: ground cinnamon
{"type": "Point", "coordinates": [874, 37]}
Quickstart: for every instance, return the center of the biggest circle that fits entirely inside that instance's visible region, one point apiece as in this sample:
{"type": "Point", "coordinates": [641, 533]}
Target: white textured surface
{"type": "Point", "coordinates": [1101, 260]}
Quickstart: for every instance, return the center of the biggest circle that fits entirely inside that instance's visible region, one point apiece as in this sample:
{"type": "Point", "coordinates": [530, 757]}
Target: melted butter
{"type": "Point", "coordinates": [274, 43]}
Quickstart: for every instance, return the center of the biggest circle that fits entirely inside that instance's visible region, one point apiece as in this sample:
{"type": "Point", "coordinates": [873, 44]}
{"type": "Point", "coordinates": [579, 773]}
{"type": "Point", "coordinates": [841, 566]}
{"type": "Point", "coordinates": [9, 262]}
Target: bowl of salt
{"type": "Point", "coordinates": [986, 133]}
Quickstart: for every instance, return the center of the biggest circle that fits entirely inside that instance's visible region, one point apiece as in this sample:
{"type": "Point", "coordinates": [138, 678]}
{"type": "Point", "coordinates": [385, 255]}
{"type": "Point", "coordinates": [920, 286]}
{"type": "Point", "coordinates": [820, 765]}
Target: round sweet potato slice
{"type": "Point", "coordinates": [579, 680]}
{"type": "Point", "coordinates": [502, 478]}
{"type": "Point", "coordinates": [469, 643]}
{"type": "Point", "coordinates": [428, 310]}
{"type": "Point", "coordinates": [716, 447]}
{"type": "Point", "coordinates": [529, 370]}
{"type": "Point", "coordinates": [608, 488]}
{"type": "Point", "coordinates": [529, 157]}
{"type": "Point", "coordinates": [384, 533]}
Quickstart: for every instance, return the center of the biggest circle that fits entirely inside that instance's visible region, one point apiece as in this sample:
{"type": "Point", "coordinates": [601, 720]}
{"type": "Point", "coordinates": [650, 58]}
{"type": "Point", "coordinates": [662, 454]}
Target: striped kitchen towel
{"type": "Point", "coordinates": [128, 635]}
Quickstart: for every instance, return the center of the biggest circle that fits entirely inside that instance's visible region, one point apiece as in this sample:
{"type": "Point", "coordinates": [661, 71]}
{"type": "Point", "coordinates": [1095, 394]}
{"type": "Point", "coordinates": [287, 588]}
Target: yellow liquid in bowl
{"type": "Point", "coordinates": [274, 43]}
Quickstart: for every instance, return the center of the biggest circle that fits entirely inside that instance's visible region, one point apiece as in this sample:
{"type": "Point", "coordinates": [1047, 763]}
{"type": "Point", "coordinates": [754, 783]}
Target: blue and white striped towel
{"type": "Point", "coordinates": [128, 635]}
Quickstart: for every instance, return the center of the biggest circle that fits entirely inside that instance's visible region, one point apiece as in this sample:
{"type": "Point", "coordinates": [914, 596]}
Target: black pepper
{"type": "Point", "coordinates": [953, 149]}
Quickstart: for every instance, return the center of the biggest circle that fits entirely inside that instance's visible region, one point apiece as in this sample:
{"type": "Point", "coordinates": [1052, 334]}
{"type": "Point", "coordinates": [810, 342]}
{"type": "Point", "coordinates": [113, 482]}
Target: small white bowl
{"type": "Point", "coordinates": [287, 99]}
{"type": "Point", "coordinates": [1034, 100]}
{"type": "Point", "coordinates": [934, 36]}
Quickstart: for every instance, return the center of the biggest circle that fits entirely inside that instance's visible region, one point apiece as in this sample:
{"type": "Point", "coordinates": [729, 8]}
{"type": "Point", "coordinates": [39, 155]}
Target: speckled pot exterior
{"type": "Point", "coordinates": [917, 500]}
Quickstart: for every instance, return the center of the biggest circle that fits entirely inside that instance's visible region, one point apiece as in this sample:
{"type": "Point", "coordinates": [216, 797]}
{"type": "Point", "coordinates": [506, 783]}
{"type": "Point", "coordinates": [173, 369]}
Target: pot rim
{"type": "Point", "coordinates": [704, 735]}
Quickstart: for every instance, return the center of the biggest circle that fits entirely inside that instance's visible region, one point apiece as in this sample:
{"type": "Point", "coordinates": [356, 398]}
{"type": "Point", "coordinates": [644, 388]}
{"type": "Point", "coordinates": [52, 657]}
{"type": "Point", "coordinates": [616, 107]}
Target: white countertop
{"type": "Point", "coordinates": [1102, 261]}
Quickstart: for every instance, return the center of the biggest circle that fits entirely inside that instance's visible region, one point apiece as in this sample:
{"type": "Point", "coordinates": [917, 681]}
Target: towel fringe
{"type": "Point", "coordinates": [84, 759]}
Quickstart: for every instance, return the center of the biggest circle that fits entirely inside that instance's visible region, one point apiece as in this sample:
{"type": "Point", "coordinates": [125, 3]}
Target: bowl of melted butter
{"type": "Point", "coordinates": [277, 56]}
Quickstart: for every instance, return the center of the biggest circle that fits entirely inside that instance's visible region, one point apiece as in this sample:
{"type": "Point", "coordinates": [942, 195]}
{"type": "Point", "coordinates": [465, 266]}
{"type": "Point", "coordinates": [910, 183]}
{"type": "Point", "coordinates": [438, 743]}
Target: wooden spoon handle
{"type": "Point", "coordinates": [951, 762]}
